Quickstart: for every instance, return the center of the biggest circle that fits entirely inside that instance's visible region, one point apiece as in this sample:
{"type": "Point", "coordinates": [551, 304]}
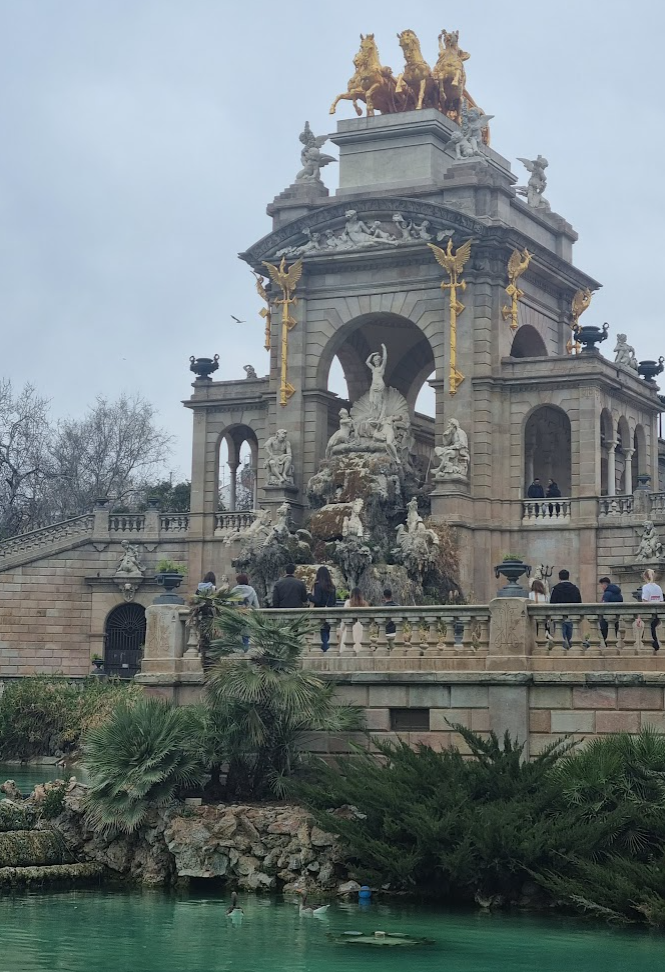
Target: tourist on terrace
{"type": "Point", "coordinates": [565, 593]}
{"type": "Point", "coordinates": [553, 491]}
{"type": "Point", "coordinates": [356, 600]}
{"type": "Point", "coordinates": [208, 584]}
{"type": "Point", "coordinates": [535, 490]}
{"type": "Point", "coordinates": [246, 598]}
{"type": "Point", "coordinates": [290, 591]}
{"type": "Point", "coordinates": [652, 593]}
{"type": "Point", "coordinates": [611, 595]}
{"type": "Point", "coordinates": [324, 595]}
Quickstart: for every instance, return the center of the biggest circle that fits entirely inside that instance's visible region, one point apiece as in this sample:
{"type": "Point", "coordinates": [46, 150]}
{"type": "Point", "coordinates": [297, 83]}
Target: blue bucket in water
{"type": "Point", "coordinates": [364, 893]}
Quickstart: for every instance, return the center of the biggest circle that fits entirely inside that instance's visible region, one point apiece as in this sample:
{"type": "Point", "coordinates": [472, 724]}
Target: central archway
{"type": "Point", "coordinates": [547, 448]}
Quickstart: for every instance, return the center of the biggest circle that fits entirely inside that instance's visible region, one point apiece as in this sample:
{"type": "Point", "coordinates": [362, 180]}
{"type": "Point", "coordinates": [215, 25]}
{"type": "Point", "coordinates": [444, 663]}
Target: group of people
{"type": "Point", "coordinates": [565, 592]}
{"type": "Point", "coordinates": [537, 491]}
{"type": "Point", "coordinates": [291, 592]}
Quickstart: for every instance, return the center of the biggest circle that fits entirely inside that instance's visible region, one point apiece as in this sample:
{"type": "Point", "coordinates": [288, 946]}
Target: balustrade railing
{"type": "Point", "coordinates": [596, 630]}
{"type": "Point", "coordinates": [173, 522]}
{"type": "Point", "coordinates": [615, 505]}
{"type": "Point", "coordinates": [65, 530]}
{"type": "Point", "coordinates": [658, 502]}
{"type": "Point", "coordinates": [126, 522]}
{"type": "Point", "coordinates": [232, 521]}
{"type": "Point", "coordinates": [546, 511]}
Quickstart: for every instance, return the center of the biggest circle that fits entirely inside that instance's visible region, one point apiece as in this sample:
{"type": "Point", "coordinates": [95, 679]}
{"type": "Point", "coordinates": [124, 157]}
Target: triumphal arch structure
{"type": "Point", "coordinates": [430, 250]}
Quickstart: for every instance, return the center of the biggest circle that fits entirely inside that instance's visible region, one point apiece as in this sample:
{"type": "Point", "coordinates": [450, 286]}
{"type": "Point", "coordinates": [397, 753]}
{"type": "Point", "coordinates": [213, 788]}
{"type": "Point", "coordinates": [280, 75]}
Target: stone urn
{"type": "Point", "coordinates": [649, 369]}
{"type": "Point", "coordinates": [589, 335]}
{"type": "Point", "coordinates": [98, 664]}
{"type": "Point", "coordinates": [203, 367]}
{"type": "Point", "coordinates": [512, 570]}
{"type": "Point", "coordinates": [643, 481]}
{"type": "Point", "coordinates": [170, 581]}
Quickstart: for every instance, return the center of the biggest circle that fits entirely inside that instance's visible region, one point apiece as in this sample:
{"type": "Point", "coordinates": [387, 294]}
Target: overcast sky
{"type": "Point", "coordinates": [142, 140]}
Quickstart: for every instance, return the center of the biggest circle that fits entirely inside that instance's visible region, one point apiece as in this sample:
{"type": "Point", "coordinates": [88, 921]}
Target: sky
{"type": "Point", "coordinates": [142, 140]}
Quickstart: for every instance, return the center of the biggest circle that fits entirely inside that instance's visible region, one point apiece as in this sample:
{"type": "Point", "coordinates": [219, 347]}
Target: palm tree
{"type": "Point", "coordinates": [265, 701]}
{"type": "Point", "coordinates": [142, 756]}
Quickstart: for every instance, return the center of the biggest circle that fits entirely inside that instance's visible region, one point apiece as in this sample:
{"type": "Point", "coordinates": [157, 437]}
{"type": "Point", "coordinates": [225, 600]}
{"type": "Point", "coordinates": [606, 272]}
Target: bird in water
{"type": "Point", "coordinates": [305, 909]}
{"type": "Point", "coordinates": [235, 912]}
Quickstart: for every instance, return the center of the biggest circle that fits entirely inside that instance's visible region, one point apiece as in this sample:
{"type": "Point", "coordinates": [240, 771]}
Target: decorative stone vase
{"type": "Point", "coordinates": [649, 369]}
{"type": "Point", "coordinates": [170, 581]}
{"type": "Point", "coordinates": [512, 570]}
{"type": "Point", "coordinates": [643, 481]}
{"type": "Point", "coordinates": [203, 367]}
{"type": "Point", "coordinates": [98, 664]}
{"type": "Point", "coordinates": [589, 335]}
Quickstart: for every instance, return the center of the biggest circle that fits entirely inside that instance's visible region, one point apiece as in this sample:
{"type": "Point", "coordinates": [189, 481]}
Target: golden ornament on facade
{"type": "Point", "coordinates": [265, 312]}
{"type": "Point", "coordinates": [517, 265]}
{"type": "Point", "coordinates": [417, 86]}
{"type": "Point", "coordinates": [580, 302]}
{"type": "Point", "coordinates": [286, 278]}
{"type": "Point", "coordinates": [453, 264]}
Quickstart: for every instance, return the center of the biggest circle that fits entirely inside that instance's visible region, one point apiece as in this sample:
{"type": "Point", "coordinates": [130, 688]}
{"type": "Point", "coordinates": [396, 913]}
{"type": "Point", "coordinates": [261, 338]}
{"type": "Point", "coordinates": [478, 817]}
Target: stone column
{"type": "Point", "coordinates": [628, 475]}
{"type": "Point", "coordinates": [233, 472]}
{"type": "Point", "coordinates": [611, 468]}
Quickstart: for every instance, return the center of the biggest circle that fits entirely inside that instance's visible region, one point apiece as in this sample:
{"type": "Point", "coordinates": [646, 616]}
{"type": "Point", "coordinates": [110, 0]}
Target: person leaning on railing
{"type": "Point", "coordinates": [565, 593]}
{"type": "Point", "coordinates": [652, 593]}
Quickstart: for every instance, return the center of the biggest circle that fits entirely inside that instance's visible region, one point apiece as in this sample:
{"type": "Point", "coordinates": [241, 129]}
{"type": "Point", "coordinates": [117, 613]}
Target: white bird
{"type": "Point", "coordinates": [304, 908]}
{"type": "Point", "coordinates": [237, 319]}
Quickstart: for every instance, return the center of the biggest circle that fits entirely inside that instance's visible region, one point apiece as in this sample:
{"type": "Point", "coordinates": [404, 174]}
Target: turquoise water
{"type": "Point", "coordinates": [28, 776]}
{"type": "Point", "coordinates": [96, 931]}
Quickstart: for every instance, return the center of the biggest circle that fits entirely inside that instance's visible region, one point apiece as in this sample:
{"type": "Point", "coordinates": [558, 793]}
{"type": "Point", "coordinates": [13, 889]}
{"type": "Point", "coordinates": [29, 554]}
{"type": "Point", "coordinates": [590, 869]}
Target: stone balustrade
{"type": "Point", "coordinates": [232, 521]}
{"type": "Point", "coordinates": [173, 523]}
{"type": "Point", "coordinates": [546, 512]}
{"type": "Point", "coordinates": [126, 522]}
{"type": "Point", "coordinates": [615, 505]}
{"type": "Point", "coordinates": [66, 530]}
{"type": "Point", "coordinates": [657, 503]}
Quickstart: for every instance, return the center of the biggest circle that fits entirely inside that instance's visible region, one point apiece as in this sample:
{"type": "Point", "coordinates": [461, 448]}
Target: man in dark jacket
{"type": "Point", "coordinates": [553, 491]}
{"type": "Point", "coordinates": [565, 593]}
{"type": "Point", "coordinates": [289, 592]}
{"type": "Point", "coordinates": [535, 490]}
{"type": "Point", "coordinates": [611, 595]}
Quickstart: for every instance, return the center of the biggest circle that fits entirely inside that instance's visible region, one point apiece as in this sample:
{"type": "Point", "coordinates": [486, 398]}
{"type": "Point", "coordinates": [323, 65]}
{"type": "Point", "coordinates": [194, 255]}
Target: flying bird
{"type": "Point", "coordinates": [237, 319]}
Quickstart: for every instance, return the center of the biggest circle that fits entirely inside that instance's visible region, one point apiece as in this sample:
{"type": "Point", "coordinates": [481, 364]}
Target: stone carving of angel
{"type": "Point", "coordinates": [311, 157]}
{"type": "Point", "coordinates": [130, 563]}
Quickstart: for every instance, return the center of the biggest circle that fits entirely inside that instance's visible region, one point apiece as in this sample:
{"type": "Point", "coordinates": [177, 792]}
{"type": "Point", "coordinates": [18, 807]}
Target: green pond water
{"type": "Point", "coordinates": [28, 775]}
{"type": "Point", "coordinates": [97, 931]}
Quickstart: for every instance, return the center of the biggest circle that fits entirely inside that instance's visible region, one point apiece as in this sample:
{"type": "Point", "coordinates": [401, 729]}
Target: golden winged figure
{"type": "Point", "coordinates": [580, 302]}
{"type": "Point", "coordinates": [452, 263]}
{"type": "Point", "coordinates": [518, 263]}
{"type": "Point", "coordinates": [286, 279]}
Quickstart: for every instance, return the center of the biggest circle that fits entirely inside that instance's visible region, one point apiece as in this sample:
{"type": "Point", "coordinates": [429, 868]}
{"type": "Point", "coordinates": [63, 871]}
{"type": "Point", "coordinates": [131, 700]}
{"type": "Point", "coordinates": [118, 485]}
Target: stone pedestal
{"type": "Point", "coordinates": [165, 644]}
{"type": "Point", "coordinates": [274, 496]}
{"type": "Point", "coordinates": [451, 502]}
{"type": "Point", "coordinates": [509, 634]}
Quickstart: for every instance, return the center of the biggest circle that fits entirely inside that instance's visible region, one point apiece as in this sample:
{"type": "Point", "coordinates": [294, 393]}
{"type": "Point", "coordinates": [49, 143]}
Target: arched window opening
{"type": "Point", "coordinates": [607, 457]}
{"type": "Point", "coordinates": [426, 400]}
{"type": "Point", "coordinates": [337, 382]}
{"type": "Point", "coordinates": [528, 343]}
{"type": "Point", "coordinates": [624, 457]}
{"type": "Point", "coordinates": [547, 448]}
{"type": "Point", "coordinates": [124, 638]}
{"type": "Point", "coordinates": [238, 466]}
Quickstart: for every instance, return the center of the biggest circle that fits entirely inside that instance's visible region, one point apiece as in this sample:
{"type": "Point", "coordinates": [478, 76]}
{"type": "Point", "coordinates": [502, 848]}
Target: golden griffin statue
{"type": "Point", "coordinates": [580, 302]}
{"type": "Point", "coordinates": [286, 278]}
{"type": "Point", "coordinates": [418, 86]}
{"type": "Point", "coordinates": [453, 264]}
{"type": "Point", "coordinates": [517, 265]}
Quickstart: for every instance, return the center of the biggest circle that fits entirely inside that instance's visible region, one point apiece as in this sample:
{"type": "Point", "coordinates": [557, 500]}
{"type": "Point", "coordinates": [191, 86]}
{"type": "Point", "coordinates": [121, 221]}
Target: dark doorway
{"type": "Point", "coordinates": [124, 638]}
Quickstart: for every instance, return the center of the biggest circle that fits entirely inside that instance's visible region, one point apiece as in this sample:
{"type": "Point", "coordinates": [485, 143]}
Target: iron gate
{"type": "Point", "coordinates": [123, 640]}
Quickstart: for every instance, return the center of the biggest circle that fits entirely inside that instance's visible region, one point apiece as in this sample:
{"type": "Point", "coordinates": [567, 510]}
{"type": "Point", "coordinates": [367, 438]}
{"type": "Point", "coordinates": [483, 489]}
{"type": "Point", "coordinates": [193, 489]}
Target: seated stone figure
{"type": "Point", "coordinates": [279, 459]}
{"type": "Point", "coordinates": [454, 455]}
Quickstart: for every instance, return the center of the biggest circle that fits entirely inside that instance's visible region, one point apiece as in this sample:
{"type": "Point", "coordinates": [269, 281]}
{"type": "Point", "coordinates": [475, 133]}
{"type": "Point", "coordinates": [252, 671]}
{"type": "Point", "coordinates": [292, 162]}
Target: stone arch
{"type": "Point", "coordinates": [528, 343]}
{"type": "Point", "coordinates": [124, 639]}
{"type": "Point", "coordinates": [624, 455]}
{"type": "Point", "coordinates": [548, 447]}
{"type": "Point", "coordinates": [411, 358]}
{"type": "Point", "coordinates": [231, 441]}
{"type": "Point", "coordinates": [640, 466]}
{"type": "Point", "coordinates": [607, 446]}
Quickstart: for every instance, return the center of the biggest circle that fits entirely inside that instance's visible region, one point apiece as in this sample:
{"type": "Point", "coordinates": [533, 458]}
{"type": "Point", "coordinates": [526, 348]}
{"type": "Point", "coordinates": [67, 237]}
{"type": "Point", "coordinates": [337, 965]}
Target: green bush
{"type": "Point", "coordinates": [41, 715]}
{"type": "Point", "coordinates": [143, 755]}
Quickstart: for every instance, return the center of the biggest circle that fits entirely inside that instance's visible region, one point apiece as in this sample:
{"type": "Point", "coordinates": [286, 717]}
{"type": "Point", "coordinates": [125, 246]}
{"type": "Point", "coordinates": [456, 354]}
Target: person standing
{"type": "Point", "coordinates": [324, 595]}
{"type": "Point", "coordinates": [290, 591]}
{"type": "Point", "coordinates": [536, 491]}
{"type": "Point", "coordinates": [208, 584]}
{"type": "Point", "coordinates": [611, 595]}
{"type": "Point", "coordinates": [355, 600]}
{"type": "Point", "coordinates": [652, 593]}
{"type": "Point", "coordinates": [538, 595]}
{"type": "Point", "coordinates": [565, 593]}
{"type": "Point", "coordinates": [553, 491]}
{"type": "Point", "coordinates": [246, 598]}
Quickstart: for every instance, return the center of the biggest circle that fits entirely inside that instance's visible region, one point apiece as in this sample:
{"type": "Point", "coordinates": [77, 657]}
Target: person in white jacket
{"type": "Point", "coordinates": [246, 598]}
{"type": "Point", "coordinates": [652, 593]}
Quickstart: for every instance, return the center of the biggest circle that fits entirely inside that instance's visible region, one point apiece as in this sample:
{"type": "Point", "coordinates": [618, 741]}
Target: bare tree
{"type": "Point", "coordinates": [114, 451]}
{"type": "Point", "coordinates": [25, 439]}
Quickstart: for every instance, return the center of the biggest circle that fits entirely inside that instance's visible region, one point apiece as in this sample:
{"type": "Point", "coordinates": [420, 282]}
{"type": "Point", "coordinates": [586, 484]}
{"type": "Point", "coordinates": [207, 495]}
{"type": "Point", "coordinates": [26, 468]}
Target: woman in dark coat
{"type": "Point", "coordinates": [324, 595]}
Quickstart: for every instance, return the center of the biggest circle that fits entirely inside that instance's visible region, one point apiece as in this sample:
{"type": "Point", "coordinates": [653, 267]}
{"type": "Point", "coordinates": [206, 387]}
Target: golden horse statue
{"type": "Point", "coordinates": [450, 75]}
{"type": "Point", "coordinates": [372, 83]}
{"type": "Point", "coordinates": [416, 79]}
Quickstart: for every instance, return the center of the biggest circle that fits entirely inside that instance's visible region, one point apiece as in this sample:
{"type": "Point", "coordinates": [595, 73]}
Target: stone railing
{"type": "Point", "coordinates": [126, 522]}
{"type": "Point", "coordinates": [628, 632]}
{"type": "Point", "coordinates": [657, 503]}
{"type": "Point", "coordinates": [40, 540]}
{"type": "Point", "coordinates": [233, 521]}
{"type": "Point", "coordinates": [546, 511]}
{"type": "Point", "coordinates": [173, 522]}
{"type": "Point", "coordinates": [614, 505]}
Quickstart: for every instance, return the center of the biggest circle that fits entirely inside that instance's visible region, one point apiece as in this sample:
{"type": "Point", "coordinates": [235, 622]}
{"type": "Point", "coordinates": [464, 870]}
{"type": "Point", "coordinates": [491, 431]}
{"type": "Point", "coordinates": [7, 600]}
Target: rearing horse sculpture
{"type": "Point", "coordinates": [450, 75]}
{"type": "Point", "coordinates": [421, 89]}
{"type": "Point", "coordinates": [372, 83]}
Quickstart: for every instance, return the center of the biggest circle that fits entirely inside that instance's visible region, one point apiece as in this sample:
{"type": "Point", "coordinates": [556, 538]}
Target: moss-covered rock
{"type": "Point", "coordinates": [16, 816]}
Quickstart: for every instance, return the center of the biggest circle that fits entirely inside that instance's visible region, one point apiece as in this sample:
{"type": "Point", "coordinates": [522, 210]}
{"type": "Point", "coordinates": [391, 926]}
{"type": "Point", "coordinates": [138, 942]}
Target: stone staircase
{"type": "Point", "coordinates": [33, 853]}
{"type": "Point", "coordinates": [53, 539]}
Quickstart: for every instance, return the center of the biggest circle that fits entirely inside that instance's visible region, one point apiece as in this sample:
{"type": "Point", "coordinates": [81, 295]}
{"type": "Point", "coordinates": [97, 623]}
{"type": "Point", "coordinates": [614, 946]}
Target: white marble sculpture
{"type": "Point", "coordinates": [416, 542]}
{"type": "Point", "coordinates": [650, 548]}
{"type": "Point", "coordinates": [537, 183]}
{"type": "Point", "coordinates": [257, 532]}
{"type": "Point", "coordinates": [468, 139]}
{"type": "Point", "coordinates": [357, 234]}
{"type": "Point", "coordinates": [343, 435]}
{"type": "Point", "coordinates": [624, 354]}
{"type": "Point", "coordinates": [281, 526]}
{"type": "Point", "coordinates": [352, 525]}
{"type": "Point", "coordinates": [279, 459]}
{"type": "Point", "coordinates": [130, 564]}
{"type": "Point", "coordinates": [454, 457]}
{"type": "Point", "coordinates": [311, 157]}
